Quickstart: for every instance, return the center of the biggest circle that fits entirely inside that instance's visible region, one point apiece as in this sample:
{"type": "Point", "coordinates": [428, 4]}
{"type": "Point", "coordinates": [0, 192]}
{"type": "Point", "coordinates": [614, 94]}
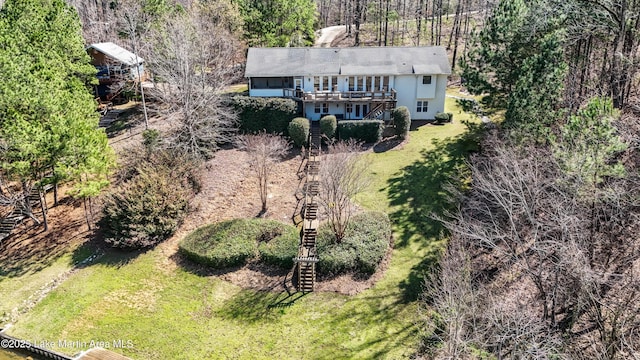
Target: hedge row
{"type": "Point", "coordinates": [234, 242]}
{"type": "Point", "coordinates": [264, 114]}
{"type": "Point", "coordinates": [368, 131]}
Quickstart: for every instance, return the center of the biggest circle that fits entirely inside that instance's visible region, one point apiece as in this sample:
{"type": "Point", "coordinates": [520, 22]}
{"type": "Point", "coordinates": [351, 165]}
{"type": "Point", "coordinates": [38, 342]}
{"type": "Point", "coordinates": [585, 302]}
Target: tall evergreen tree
{"type": "Point", "coordinates": [48, 123]}
{"type": "Point", "coordinates": [279, 22]}
{"type": "Point", "coordinates": [517, 60]}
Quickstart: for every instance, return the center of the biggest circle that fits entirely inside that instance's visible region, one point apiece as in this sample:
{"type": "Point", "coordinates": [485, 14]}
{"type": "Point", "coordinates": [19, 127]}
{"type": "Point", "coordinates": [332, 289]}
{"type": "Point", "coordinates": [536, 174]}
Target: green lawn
{"type": "Point", "coordinates": [171, 313]}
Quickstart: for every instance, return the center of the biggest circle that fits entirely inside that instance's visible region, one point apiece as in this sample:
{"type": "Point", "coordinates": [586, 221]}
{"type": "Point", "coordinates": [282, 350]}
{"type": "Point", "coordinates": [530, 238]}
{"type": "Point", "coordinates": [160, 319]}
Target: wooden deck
{"type": "Point", "coordinates": [341, 96]}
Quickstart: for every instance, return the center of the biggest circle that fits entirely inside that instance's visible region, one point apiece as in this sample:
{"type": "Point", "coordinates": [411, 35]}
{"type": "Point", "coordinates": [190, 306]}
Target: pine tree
{"type": "Point", "coordinates": [517, 60]}
{"type": "Point", "coordinates": [48, 123]}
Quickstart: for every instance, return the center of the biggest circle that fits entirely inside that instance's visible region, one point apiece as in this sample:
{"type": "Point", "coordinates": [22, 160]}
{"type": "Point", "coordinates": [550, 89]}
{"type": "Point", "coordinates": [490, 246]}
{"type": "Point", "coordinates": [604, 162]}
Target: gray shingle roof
{"type": "Point", "coordinates": [266, 62]}
{"type": "Point", "coordinates": [116, 52]}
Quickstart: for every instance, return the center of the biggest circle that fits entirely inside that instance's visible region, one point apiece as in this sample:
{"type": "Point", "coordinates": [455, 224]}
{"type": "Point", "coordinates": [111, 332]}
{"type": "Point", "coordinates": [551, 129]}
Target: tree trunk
{"type": "Point", "coordinates": [86, 213]}
{"type": "Point", "coordinates": [357, 19]}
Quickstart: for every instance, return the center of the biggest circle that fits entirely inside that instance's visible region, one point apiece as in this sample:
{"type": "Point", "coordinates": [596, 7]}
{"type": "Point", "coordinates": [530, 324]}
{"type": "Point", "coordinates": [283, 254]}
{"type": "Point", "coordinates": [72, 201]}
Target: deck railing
{"type": "Point", "coordinates": [314, 96]}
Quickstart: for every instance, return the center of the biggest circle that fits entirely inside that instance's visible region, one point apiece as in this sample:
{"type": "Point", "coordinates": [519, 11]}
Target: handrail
{"type": "Point", "coordinates": [383, 95]}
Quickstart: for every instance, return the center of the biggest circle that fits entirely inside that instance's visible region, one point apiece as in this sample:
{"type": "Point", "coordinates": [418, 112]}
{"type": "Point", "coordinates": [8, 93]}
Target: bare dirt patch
{"type": "Point", "coordinates": [30, 248]}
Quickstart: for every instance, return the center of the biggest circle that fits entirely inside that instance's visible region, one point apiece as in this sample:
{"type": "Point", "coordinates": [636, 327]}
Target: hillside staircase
{"type": "Point", "coordinates": [20, 213]}
{"type": "Point", "coordinates": [307, 257]}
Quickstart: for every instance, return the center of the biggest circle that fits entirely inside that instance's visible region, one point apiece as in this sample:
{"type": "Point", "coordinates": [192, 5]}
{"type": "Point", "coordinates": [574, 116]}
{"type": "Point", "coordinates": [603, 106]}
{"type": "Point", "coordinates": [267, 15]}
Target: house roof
{"type": "Point", "coordinates": [116, 52]}
{"type": "Point", "coordinates": [268, 62]}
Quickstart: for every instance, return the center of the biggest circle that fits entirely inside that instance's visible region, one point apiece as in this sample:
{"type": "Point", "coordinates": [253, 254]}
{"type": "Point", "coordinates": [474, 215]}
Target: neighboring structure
{"type": "Point", "coordinates": [115, 66]}
{"type": "Point", "coordinates": [352, 83]}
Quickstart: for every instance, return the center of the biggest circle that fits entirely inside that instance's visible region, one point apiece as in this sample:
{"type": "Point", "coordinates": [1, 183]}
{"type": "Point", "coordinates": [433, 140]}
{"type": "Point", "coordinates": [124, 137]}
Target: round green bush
{"type": "Point", "coordinates": [234, 242]}
{"type": "Point", "coordinates": [360, 251]}
{"type": "Point", "coordinates": [442, 117]}
{"type": "Point", "coordinates": [281, 250]}
{"type": "Point", "coordinates": [328, 126]}
{"type": "Point", "coordinates": [299, 131]}
{"type": "Point", "coordinates": [401, 121]}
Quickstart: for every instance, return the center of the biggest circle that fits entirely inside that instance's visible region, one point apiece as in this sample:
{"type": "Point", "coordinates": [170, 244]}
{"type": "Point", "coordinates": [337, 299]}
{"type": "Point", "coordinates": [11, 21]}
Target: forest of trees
{"type": "Point", "coordinates": [543, 256]}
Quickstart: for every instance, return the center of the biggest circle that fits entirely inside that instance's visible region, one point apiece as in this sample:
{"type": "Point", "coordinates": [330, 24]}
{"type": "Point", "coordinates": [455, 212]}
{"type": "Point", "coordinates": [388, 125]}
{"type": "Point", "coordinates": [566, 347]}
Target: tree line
{"type": "Point", "coordinates": [543, 252]}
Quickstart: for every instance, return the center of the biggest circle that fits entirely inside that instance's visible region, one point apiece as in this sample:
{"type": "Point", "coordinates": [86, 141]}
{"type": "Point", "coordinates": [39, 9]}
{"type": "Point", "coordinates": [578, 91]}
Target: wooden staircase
{"type": "Point", "coordinates": [307, 254]}
{"type": "Point", "coordinates": [19, 214]}
{"type": "Point", "coordinates": [378, 110]}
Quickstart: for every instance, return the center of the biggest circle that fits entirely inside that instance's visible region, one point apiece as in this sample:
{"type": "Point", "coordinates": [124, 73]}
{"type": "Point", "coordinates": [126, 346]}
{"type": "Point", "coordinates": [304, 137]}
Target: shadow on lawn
{"type": "Point", "coordinates": [30, 249]}
{"type": "Point", "coordinates": [329, 320]}
{"type": "Point", "coordinates": [252, 306]}
{"type": "Point", "coordinates": [420, 191]}
{"type": "Point", "coordinates": [366, 314]}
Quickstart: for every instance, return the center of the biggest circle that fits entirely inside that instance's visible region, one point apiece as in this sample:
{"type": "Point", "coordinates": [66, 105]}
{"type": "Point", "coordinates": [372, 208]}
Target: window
{"type": "Point", "coordinates": [325, 108]}
{"type": "Point", "coordinates": [317, 108]}
{"type": "Point", "coordinates": [316, 83]}
{"type": "Point", "coordinates": [351, 83]}
{"type": "Point", "coordinates": [385, 83]}
{"type": "Point", "coordinates": [349, 108]}
{"type": "Point", "coordinates": [426, 80]}
{"type": "Point", "coordinates": [334, 83]}
{"type": "Point", "coordinates": [325, 83]}
{"type": "Point", "coordinates": [423, 106]}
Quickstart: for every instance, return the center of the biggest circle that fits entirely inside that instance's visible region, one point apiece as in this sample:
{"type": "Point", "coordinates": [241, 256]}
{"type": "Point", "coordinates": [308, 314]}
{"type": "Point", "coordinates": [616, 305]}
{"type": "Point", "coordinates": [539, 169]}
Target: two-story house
{"type": "Point", "coordinates": [352, 83]}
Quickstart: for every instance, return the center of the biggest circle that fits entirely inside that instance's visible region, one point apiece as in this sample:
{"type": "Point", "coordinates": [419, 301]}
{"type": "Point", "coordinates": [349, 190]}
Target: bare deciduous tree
{"type": "Point", "coordinates": [450, 293]}
{"type": "Point", "coordinates": [191, 61]}
{"type": "Point", "coordinates": [554, 271]}
{"type": "Point", "coordinates": [133, 22]}
{"type": "Point", "coordinates": [343, 175]}
{"type": "Point", "coordinates": [264, 151]}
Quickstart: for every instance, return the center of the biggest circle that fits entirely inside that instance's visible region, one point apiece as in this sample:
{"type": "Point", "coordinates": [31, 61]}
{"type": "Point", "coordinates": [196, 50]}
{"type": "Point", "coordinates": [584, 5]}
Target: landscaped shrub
{"type": "Point", "coordinates": [233, 242]}
{"type": "Point", "coordinates": [402, 121]}
{"type": "Point", "coordinates": [281, 249]}
{"type": "Point", "coordinates": [299, 131]}
{"type": "Point", "coordinates": [328, 126]}
{"type": "Point", "coordinates": [360, 251]}
{"type": "Point", "coordinates": [368, 131]}
{"type": "Point", "coordinates": [146, 209]}
{"type": "Point", "coordinates": [264, 114]}
{"type": "Point", "coordinates": [442, 117]}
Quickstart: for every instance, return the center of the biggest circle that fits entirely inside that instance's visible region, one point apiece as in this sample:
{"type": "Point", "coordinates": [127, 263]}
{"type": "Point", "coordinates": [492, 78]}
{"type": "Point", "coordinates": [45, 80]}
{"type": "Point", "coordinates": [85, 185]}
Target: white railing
{"type": "Point", "coordinates": [339, 95]}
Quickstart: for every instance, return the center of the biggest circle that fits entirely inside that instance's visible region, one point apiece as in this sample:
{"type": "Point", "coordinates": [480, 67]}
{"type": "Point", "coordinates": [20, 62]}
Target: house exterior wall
{"type": "Point", "coordinates": [411, 90]}
{"type": "Point", "coordinates": [440, 95]}
{"type": "Point", "coordinates": [406, 93]}
{"type": "Point", "coordinates": [333, 109]}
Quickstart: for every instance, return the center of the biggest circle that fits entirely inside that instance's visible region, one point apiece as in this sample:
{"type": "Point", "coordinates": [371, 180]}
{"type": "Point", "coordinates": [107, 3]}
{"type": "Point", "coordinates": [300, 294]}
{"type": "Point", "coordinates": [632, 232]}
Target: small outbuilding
{"type": "Point", "coordinates": [112, 60]}
{"type": "Point", "coordinates": [116, 65]}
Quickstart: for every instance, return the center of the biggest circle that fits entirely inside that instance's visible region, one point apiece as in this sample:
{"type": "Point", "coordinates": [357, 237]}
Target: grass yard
{"type": "Point", "coordinates": [171, 313]}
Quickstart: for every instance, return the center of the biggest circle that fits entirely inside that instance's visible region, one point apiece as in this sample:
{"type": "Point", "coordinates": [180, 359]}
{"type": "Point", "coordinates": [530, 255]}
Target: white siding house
{"type": "Point", "coordinates": [352, 83]}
